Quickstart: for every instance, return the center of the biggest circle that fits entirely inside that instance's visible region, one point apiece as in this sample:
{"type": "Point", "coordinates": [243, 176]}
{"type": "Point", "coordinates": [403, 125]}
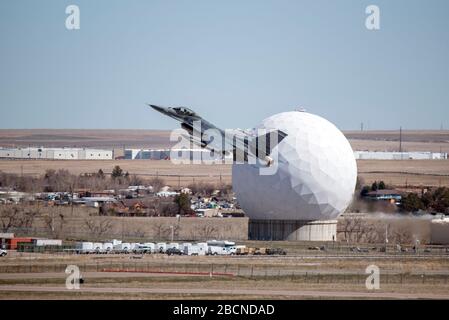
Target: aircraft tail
{"type": "Point", "coordinates": [264, 144]}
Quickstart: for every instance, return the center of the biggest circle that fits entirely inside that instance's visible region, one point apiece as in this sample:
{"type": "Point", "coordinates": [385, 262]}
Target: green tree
{"type": "Point", "coordinates": [411, 203]}
{"type": "Point", "coordinates": [100, 174]}
{"type": "Point", "coordinates": [183, 202]}
{"type": "Point", "coordinates": [364, 191]}
{"type": "Point", "coordinates": [427, 199]}
{"type": "Point", "coordinates": [441, 200]}
{"type": "Point", "coordinates": [381, 185]}
{"type": "Point", "coordinates": [374, 186]}
{"type": "Point", "coordinates": [117, 172]}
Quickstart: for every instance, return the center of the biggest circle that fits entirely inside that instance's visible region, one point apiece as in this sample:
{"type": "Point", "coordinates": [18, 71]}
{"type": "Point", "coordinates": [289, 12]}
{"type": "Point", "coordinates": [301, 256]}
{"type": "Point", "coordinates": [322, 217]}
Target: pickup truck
{"type": "Point", "coordinates": [3, 253]}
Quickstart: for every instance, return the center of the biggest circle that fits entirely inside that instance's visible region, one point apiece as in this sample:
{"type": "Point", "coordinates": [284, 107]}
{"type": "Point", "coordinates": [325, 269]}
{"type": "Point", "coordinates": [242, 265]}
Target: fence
{"type": "Point", "coordinates": [232, 270]}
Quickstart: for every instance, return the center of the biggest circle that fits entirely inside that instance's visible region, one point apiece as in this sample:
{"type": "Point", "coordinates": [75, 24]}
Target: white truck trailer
{"type": "Point", "coordinates": [47, 242]}
{"type": "Point", "coordinates": [191, 250]}
{"type": "Point", "coordinates": [84, 247]}
{"type": "Point", "coordinates": [202, 248]}
{"type": "Point", "coordinates": [108, 247]}
{"type": "Point", "coordinates": [98, 247]}
{"type": "Point", "coordinates": [123, 247]}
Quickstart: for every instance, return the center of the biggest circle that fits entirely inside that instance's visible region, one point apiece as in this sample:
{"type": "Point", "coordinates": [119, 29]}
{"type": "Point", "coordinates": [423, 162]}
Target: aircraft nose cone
{"type": "Point", "coordinates": [157, 108]}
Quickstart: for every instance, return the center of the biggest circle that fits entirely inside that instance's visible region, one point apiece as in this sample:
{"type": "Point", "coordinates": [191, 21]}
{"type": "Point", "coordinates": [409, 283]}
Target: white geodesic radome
{"type": "Point", "coordinates": [316, 172]}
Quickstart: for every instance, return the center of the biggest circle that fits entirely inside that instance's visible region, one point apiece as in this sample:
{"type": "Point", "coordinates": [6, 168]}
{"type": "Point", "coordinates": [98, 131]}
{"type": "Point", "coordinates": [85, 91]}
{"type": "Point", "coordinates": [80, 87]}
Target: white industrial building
{"type": "Point", "coordinates": [384, 155]}
{"type": "Point", "coordinates": [164, 154]}
{"type": "Point", "coordinates": [56, 153]}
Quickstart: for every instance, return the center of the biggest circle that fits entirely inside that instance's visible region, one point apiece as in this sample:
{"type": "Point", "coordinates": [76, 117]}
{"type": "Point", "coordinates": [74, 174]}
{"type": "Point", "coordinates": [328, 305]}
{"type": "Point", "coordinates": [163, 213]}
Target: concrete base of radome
{"type": "Point", "coordinates": [293, 230]}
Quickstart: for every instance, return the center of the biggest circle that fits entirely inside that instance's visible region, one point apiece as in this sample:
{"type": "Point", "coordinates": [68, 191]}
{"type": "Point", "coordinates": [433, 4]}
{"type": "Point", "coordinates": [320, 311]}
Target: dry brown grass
{"type": "Point", "coordinates": [393, 172]}
{"type": "Point", "coordinates": [425, 140]}
{"type": "Point", "coordinates": [172, 174]}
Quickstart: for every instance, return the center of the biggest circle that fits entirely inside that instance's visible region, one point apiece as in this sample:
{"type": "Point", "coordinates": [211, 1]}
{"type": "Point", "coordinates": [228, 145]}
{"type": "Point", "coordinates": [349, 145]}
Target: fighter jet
{"type": "Point", "coordinates": [236, 141]}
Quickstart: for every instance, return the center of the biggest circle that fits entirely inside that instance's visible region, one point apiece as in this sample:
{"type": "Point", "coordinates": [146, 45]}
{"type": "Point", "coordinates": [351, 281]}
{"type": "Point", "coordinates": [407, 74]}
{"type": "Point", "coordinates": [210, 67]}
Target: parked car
{"type": "Point", "coordinates": [144, 248]}
{"type": "Point", "coordinates": [173, 251]}
{"type": "Point", "coordinates": [3, 253]}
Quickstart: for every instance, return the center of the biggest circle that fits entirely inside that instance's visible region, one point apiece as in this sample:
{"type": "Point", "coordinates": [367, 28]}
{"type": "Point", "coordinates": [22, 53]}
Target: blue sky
{"type": "Point", "coordinates": [234, 62]}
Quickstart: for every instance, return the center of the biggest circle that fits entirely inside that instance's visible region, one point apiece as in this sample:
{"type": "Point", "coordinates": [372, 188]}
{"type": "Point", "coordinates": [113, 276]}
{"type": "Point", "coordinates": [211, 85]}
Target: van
{"type": "Point", "coordinates": [192, 250]}
{"type": "Point", "coordinates": [183, 246]}
{"type": "Point", "coordinates": [217, 250]}
{"type": "Point", "coordinates": [145, 248]}
{"type": "Point", "coordinates": [202, 248]}
{"type": "Point", "coordinates": [122, 247]}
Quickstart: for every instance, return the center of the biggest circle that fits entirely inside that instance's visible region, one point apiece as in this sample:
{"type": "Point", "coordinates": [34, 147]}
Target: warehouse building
{"type": "Point", "coordinates": [56, 153]}
{"type": "Point", "coordinates": [165, 154]}
{"type": "Point", "coordinates": [384, 155]}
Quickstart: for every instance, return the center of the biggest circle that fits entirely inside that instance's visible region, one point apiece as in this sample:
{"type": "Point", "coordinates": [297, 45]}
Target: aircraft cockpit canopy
{"type": "Point", "coordinates": [184, 111]}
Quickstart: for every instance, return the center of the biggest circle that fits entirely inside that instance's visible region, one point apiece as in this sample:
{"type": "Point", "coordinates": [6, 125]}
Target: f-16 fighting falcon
{"type": "Point", "coordinates": [246, 143]}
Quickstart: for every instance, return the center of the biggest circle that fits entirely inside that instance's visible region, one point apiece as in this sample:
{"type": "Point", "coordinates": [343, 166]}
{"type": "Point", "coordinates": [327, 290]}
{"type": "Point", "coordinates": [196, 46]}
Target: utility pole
{"type": "Point", "coordinates": [400, 140]}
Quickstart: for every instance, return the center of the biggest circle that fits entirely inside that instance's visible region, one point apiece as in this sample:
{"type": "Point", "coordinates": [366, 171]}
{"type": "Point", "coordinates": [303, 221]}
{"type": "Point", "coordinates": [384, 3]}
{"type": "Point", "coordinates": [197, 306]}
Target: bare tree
{"type": "Point", "coordinates": [157, 183]}
{"type": "Point", "coordinates": [98, 227]}
{"type": "Point", "coordinates": [402, 236]}
{"type": "Point", "coordinates": [17, 216]}
{"type": "Point", "coordinates": [202, 188]}
{"type": "Point", "coordinates": [207, 231]}
{"type": "Point", "coordinates": [352, 228]}
{"type": "Point", "coordinates": [138, 233]}
{"type": "Point", "coordinates": [9, 217]}
{"type": "Point", "coordinates": [161, 231]}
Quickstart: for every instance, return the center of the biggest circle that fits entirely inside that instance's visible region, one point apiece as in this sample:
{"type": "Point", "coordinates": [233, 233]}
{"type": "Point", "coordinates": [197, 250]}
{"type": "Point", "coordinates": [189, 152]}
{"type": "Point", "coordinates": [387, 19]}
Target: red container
{"type": "Point", "coordinates": [11, 244]}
